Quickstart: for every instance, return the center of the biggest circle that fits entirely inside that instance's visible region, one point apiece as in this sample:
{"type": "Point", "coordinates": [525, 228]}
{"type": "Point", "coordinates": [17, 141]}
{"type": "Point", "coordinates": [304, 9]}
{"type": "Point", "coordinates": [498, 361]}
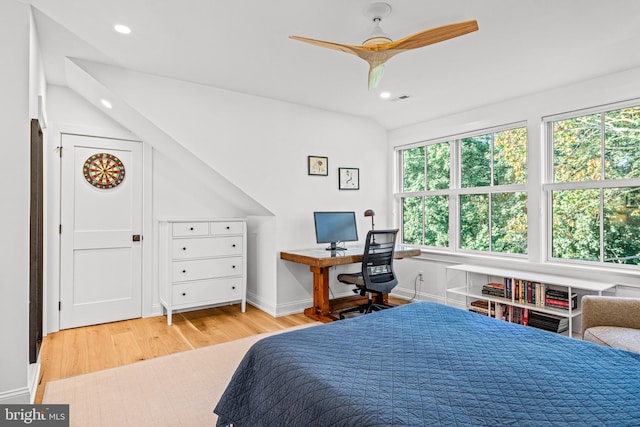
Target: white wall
{"type": "Point", "coordinates": [600, 91]}
{"type": "Point", "coordinates": [174, 190]}
{"type": "Point", "coordinates": [260, 147]}
{"type": "Point", "coordinates": [14, 214]}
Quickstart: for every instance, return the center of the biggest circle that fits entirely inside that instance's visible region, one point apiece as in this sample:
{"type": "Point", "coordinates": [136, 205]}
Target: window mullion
{"type": "Point", "coordinates": [602, 225]}
{"type": "Point", "coordinates": [602, 148]}
{"type": "Point", "coordinates": [602, 178]}
{"type": "Point", "coordinates": [489, 221]}
{"type": "Point", "coordinates": [454, 199]}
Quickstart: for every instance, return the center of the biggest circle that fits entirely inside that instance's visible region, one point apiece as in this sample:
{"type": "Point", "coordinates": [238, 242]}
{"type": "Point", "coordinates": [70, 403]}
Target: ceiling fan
{"type": "Point", "coordinates": [379, 47]}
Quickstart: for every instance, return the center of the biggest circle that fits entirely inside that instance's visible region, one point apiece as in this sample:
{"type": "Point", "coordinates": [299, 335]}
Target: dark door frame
{"type": "Point", "coordinates": [36, 246]}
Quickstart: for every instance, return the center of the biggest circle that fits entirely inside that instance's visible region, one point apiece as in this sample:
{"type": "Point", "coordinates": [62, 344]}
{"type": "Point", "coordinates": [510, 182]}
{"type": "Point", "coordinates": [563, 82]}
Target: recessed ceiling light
{"type": "Point", "coordinates": [385, 95]}
{"type": "Point", "coordinates": [122, 29]}
{"type": "Point", "coordinates": [106, 103]}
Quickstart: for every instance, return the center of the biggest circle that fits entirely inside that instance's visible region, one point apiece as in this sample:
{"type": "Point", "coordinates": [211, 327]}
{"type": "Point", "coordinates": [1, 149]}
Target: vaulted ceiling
{"type": "Point", "coordinates": [522, 47]}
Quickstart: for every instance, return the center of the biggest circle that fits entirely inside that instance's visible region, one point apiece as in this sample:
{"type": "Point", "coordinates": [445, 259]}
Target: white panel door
{"type": "Point", "coordinates": [101, 264]}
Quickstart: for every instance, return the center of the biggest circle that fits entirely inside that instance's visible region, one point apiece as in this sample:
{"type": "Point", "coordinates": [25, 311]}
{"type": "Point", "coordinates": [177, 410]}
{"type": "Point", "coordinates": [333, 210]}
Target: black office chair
{"type": "Point", "coordinates": [376, 275]}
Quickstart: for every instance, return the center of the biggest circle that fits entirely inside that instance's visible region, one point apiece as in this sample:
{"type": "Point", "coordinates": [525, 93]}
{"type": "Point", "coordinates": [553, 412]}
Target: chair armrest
{"type": "Point", "coordinates": [610, 311]}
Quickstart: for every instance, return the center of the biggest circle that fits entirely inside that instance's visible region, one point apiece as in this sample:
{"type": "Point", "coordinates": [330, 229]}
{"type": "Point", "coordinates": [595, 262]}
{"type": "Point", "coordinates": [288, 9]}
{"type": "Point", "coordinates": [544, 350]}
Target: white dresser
{"type": "Point", "coordinates": [202, 262]}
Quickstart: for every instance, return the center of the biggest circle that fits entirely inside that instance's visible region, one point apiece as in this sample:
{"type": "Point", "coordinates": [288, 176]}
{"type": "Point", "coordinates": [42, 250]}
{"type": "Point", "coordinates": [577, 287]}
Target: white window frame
{"type": "Point", "coordinates": [549, 186]}
{"type": "Point", "coordinates": [455, 189]}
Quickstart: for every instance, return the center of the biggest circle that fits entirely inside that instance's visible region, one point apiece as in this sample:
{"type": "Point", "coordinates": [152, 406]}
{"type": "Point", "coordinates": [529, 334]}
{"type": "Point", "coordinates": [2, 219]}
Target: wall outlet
{"type": "Point", "coordinates": [421, 275]}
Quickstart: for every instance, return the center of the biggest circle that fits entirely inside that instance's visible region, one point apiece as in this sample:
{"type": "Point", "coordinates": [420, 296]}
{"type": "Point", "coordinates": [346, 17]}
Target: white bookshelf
{"type": "Point", "coordinates": [476, 276]}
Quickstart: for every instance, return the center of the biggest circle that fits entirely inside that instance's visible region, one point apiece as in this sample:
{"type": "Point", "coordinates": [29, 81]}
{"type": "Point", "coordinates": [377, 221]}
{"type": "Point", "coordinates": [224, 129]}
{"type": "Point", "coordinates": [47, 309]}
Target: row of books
{"type": "Point", "coordinates": [527, 292]}
{"type": "Point", "coordinates": [520, 315]}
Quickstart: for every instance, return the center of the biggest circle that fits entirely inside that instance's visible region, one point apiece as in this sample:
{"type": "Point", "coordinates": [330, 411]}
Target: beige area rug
{"type": "Point", "coordinates": [180, 389]}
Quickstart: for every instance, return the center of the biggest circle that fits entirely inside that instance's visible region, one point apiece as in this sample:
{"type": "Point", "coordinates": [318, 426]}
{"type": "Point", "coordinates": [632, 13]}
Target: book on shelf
{"type": "Point", "coordinates": [512, 314]}
{"type": "Point", "coordinates": [560, 299]}
{"type": "Point", "coordinates": [494, 289]}
{"type": "Point", "coordinates": [524, 291]}
{"type": "Point", "coordinates": [482, 307]}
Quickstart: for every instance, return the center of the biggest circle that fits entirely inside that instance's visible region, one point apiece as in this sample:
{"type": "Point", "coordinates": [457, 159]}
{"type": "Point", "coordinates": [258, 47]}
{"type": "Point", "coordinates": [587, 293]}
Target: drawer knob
{"type": "Point", "coordinates": [191, 228]}
{"type": "Point", "coordinates": [184, 294]}
{"type": "Point", "coordinates": [233, 287]}
{"type": "Point", "coordinates": [184, 248]}
{"type": "Point", "coordinates": [228, 227]}
{"type": "Point", "coordinates": [233, 266]}
{"type": "Point", "coordinates": [184, 271]}
{"type": "Point", "coordinates": [233, 245]}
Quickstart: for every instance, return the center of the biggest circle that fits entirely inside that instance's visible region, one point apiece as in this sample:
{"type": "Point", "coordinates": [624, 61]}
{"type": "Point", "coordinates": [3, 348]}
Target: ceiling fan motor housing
{"type": "Point", "coordinates": [375, 12]}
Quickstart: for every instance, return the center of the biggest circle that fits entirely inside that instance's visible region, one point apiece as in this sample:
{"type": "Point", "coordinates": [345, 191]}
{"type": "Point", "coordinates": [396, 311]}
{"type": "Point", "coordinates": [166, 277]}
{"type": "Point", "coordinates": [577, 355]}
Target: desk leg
{"type": "Point", "coordinates": [320, 310]}
{"type": "Point", "coordinates": [324, 308]}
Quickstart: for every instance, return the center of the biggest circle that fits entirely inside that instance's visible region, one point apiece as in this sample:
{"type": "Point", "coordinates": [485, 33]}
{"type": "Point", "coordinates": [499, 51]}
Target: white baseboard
{"type": "Point", "coordinates": [18, 396]}
{"type": "Point", "coordinates": [292, 308]}
{"type": "Point", "coordinates": [411, 295]}
{"type": "Point", "coordinates": [260, 304]}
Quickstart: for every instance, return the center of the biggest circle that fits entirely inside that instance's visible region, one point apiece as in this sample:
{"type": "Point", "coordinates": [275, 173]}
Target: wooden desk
{"type": "Point", "coordinates": [320, 261]}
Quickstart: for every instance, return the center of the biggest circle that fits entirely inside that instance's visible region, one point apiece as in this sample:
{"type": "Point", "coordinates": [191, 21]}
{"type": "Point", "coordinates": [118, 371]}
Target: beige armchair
{"type": "Point", "coordinates": [611, 321]}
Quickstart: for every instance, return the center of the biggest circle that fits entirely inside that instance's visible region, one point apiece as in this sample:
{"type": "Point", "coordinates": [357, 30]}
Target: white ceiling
{"type": "Point", "coordinates": [523, 46]}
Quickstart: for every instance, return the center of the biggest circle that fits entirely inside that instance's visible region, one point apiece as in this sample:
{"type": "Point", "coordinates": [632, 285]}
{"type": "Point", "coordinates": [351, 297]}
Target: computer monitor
{"type": "Point", "coordinates": [334, 227]}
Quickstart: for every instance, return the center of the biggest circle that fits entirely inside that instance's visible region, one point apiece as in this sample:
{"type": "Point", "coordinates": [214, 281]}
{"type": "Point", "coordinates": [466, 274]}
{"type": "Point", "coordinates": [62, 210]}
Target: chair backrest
{"type": "Point", "coordinates": [377, 261]}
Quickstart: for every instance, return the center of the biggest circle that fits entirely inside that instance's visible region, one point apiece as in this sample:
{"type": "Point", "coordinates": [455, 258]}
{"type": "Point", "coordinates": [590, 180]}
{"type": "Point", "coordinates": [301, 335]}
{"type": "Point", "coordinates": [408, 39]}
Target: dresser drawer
{"type": "Point", "coordinates": [207, 291]}
{"type": "Point", "coordinates": [229, 227]}
{"type": "Point", "coordinates": [190, 229]}
{"type": "Point", "coordinates": [206, 268]}
{"type": "Point", "coordinates": [207, 247]}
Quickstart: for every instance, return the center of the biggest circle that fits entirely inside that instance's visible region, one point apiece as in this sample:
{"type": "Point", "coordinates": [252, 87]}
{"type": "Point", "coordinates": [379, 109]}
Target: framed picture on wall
{"type": "Point", "coordinates": [318, 165]}
{"type": "Point", "coordinates": [348, 178]}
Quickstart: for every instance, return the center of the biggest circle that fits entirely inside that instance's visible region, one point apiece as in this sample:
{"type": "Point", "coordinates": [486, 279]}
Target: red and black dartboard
{"type": "Point", "coordinates": [103, 170]}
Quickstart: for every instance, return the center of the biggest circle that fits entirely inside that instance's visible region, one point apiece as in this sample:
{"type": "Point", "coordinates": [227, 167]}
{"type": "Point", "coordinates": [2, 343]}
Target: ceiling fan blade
{"type": "Point", "coordinates": [372, 54]}
{"type": "Point", "coordinates": [330, 45]}
{"type": "Point", "coordinates": [433, 35]}
{"type": "Point", "coordinates": [375, 75]}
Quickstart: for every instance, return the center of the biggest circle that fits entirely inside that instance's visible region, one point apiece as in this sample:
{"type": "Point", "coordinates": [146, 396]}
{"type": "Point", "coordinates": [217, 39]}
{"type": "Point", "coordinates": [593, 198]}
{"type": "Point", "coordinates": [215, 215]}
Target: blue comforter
{"type": "Point", "coordinates": [430, 364]}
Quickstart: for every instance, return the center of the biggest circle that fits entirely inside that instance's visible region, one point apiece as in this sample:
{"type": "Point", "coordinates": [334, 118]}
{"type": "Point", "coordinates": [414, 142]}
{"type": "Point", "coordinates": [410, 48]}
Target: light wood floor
{"type": "Point", "coordinates": [92, 348]}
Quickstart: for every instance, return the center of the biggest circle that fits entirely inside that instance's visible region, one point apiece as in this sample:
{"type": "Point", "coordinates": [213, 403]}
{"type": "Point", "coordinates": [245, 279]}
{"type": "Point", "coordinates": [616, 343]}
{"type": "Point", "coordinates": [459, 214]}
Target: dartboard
{"type": "Point", "coordinates": [103, 170]}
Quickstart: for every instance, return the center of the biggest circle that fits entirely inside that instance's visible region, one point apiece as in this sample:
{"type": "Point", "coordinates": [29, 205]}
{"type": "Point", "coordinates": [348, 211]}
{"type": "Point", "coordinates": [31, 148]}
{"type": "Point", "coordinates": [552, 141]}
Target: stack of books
{"type": "Point", "coordinates": [494, 289]}
{"type": "Point", "coordinates": [548, 322]}
{"type": "Point", "coordinates": [560, 299]}
{"type": "Point", "coordinates": [482, 307]}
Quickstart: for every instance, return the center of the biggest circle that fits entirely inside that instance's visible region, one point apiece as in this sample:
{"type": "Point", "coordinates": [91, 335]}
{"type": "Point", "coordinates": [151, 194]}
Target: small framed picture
{"type": "Point", "coordinates": [349, 178]}
{"type": "Point", "coordinates": [318, 165]}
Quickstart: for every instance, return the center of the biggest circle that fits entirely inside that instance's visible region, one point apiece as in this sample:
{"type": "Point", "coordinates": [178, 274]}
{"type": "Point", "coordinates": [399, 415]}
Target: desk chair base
{"type": "Point", "coordinates": [368, 308]}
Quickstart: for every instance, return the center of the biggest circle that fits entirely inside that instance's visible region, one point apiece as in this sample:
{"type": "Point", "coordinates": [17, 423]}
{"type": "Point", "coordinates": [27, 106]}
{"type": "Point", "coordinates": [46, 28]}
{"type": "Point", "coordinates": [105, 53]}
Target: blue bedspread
{"type": "Point", "coordinates": [430, 364]}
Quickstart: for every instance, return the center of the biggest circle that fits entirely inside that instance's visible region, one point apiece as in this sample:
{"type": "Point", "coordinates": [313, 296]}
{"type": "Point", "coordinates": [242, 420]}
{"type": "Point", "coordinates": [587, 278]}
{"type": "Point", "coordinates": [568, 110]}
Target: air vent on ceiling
{"type": "Point", "coordinates": [400, 98]}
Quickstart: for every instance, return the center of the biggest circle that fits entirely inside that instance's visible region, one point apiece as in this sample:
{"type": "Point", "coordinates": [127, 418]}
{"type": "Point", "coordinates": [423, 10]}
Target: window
{"type": "Point", "coordinates": [489, 195]}
{"type": "Point", "coordinates": [594, 190]}
{"type": "Point", "coordinates": [426, 172]}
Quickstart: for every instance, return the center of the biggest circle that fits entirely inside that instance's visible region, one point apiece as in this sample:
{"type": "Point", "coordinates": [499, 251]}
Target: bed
{"type": "Point", "coordinates": [430, 364]}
